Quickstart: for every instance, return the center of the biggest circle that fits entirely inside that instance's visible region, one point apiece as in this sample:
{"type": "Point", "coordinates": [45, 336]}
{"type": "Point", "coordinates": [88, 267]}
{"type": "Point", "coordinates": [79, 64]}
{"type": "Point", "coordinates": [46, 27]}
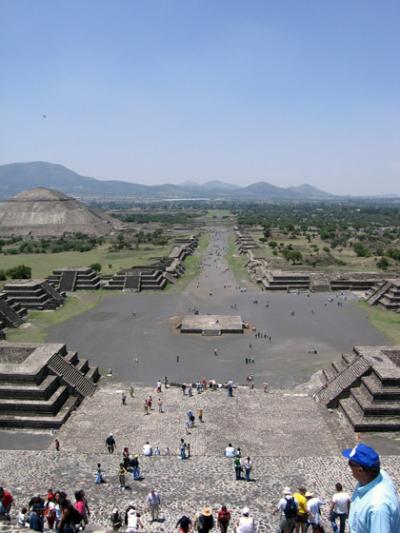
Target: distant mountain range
{"type": "Point", "coordinates": [17, 177]}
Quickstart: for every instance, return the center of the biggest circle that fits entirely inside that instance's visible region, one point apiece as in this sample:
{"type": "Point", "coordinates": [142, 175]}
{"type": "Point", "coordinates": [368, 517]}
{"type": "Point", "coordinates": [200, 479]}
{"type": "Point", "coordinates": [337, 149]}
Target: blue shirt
{"type": "Point", "coordinates": [375, 507]}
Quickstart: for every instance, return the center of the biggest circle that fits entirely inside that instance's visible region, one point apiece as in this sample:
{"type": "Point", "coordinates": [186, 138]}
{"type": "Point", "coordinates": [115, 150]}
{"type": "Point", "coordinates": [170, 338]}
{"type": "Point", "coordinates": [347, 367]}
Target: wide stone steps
{"type": "Point", "coordinates": [30, 390]}
{"type": "Point", "coordinates": [374, 386]}
{"type": "Point", "coordinates": [29, 407]}
{"type": "Point", "coordinates": [351, 410]}
{"type": "Point", "coordinates": [371, 407]}
{"type": "Point", "coordinates": [40, 421]}
{"type": "Point", "coordinates": [71, 375]}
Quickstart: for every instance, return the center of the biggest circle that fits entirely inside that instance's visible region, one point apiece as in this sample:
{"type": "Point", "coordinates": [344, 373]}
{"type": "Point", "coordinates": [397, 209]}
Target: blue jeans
{"type": "Point", "coordinates": [247, 474]}
{"type": "Point", "coordinates": [342, 522]}
{"type": "Point", "coordinates": [5, 510]}
{"type": "Point", "coordinates": [136, 472]}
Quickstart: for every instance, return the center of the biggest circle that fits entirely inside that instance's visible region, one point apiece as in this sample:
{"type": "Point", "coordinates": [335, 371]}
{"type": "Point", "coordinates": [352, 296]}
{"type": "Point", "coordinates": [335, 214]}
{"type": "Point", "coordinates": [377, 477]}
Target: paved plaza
{"type": "Point", "coordinates": [141, 347]}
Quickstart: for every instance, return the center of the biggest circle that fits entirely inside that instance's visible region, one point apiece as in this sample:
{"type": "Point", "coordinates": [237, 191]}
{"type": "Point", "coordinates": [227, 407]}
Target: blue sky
{"type": "Point", "coordinates": [243, 91]}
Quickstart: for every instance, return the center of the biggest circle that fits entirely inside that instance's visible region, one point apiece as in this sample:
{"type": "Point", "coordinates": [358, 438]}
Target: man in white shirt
{"type": "Point", "coordinates": [314, 510]}
{"type": "Point", "coordinates": [147, 449]}
{"type": "Point", "coordinates": [288, 508]}
{"type": "Point", "coordinates": [230, 451]}
{"type": "Point", "coordinates": [340, 505]}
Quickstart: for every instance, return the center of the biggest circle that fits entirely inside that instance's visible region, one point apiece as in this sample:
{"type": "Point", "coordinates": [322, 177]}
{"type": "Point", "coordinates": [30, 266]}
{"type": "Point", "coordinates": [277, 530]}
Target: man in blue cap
{"type": "Point", "coordinates": [375, 506]}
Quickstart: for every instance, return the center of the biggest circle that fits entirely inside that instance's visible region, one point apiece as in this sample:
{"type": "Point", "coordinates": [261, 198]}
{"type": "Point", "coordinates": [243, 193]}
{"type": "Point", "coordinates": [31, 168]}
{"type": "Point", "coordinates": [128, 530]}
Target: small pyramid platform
{"type": "Point", "coordinates": [71, 279]}
{"type": "Point", "coordinates": [34, 294]}
{"type": "Point", "coordinates": [40, 384]}
{"type": "Point", "coordinates": [365, 387]}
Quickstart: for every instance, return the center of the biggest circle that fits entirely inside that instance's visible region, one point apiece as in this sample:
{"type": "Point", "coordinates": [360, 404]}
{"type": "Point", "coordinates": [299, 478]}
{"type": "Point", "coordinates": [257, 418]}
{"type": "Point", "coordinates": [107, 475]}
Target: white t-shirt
{"type": "Point", "coordinates": [341, 501]}
{"type": "Point", "coordinates": [313, 507]}
{"type": "Point", "coordinates": [147, 449]}
{"type": "Point", "coordinates": [230, 451]}
{"type": "Point", "coordinates": [246, 525]}
{"type": "Point", "coordinates": [132, 520]}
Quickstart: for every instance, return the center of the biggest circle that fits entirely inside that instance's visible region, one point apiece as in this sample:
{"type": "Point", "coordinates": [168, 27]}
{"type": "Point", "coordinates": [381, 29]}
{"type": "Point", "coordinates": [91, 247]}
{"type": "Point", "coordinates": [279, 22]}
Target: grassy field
{"type": "Point", "coordinates": [237, 263]}
{"type": "Point", "coordinates": [43, 264]}
{"type": "Point", "coordinates": [385, 321]}
{"type": "Point", "coordinates": [38, 322]}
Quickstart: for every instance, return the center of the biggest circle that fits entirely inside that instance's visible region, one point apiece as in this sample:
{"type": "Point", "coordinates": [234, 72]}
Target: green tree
{"type": "Point", "coordinates": [96, 267]}
{"type": "Point", "coordinates": [19, 272]}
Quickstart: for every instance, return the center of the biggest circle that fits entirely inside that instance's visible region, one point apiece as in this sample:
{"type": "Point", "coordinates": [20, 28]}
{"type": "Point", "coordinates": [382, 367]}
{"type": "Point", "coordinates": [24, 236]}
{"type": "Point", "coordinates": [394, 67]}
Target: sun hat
{"type": "Point", "coordinates": [309, 494]}
{"type": "Point", "coordinates": [245, 511]}
{"type": "Point", "coordinates": [206, 511]}
{"type": "Point", "coordinates": [363, 455]}
{"type": "Point", "coordinates": [287, 490]}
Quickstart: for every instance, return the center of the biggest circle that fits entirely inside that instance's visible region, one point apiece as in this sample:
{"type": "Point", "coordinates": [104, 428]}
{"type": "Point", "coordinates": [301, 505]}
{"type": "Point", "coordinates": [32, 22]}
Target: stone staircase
{"type": "Point", "coordinates": [377, 292]}
{"type": "Point", "coordinates": [67, 282]}
{"type": "Point", "coordinates": [284, 281]}
{"type": "Point", "coordinates": [365, 388]}
{"type": "Point", "coordinates": [12, 314]}
{"type": "Point", "coordinates": [33, 294]}
{"type": "Point", "coordinates": [71, 375]}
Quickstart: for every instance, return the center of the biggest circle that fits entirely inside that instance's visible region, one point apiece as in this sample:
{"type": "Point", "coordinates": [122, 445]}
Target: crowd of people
{"type": "Point", "coordinates": [374, 506]}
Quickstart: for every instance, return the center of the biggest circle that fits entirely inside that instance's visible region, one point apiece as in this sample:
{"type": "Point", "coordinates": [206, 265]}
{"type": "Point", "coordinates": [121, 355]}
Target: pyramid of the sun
{"type": "Point", "coordinates": [47, 213]}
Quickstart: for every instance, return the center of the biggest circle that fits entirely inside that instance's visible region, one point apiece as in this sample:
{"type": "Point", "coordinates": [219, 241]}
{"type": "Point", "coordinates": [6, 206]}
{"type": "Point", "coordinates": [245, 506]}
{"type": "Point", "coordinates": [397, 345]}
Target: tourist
{"type": "Point", "coordinates": [287, 506]}
{"type": "Point", "coordinates": [204, 520]}
{"type": "Point", "coordinates": [158, 387]}
{"type": "Point", "coordinates": [57, 445]}
{"type": "Point", "coordinates": [146, 407]}
{"type": "Point", "coordinates": [374, 504]}
{"type": "Point", "coordinates": [160, 405]}
{"type": "Point", "coordinates": [247, 468]}
{"type": "Point", "coordinates": [200, 413]}
{"type": "Point", "coordinates": [166, 383]}
{"type": "Point", "coordinates": [184, 524]}
{"type": "Point", "coordinates": [134, 464]}
{"type": "Point", "coordinates": [86, 512]}
{"type": "Point", "coordinates": [134, 524]}
{"type": "Point", "coordinates": [110, 443]}
{"type": "Point", "coordinates": [238, 452]}
{"type": "Point", "coordinates": [79, 504]}
{"type": "Point", "coordinates": [230, 389]}
{"type": "Point", "coordinates": [339, 508]}
{"type": "Point", "coordinates": [121, 476]}
{"type": "Point", "coordinates": [23, 518]}
{"type": "Point", "coordinates": [147, 449]}
{"type": "Point", "coordinates": [230, 451]}
{"type": "Point", "coordinates": [157, 451]}
{"type": "Point", "coordinates": [99, 475]}
{"type": "Point", "coordinates": [58, 496]}
{"type": "Point", "coordinates": [223, 519]}
{"type": "Point", "coordinates": [302, 514]}
{"type": "Point", "coordinates": [215, 351]}
{"type": "Point", "coordinates": [153, 501]}
{"type": "Point", "coordinates": [238, 468]}
{"type": "Point", "coordinates": [115, 519]}
{"type": "Point", "coordinates": [246, 523]}
{"type": "Point", "coordinates": [123, 398]}
{"type": "Point", "coordinates": [314, 511]}
{"type": "Point", "coordinates": [150, 402]}
{"type": "Point", "coordinates": [6, 501]}
{"type": "Point", "coordinates": [70, 517]}
{"type": "Point", "coordinates": [265, 386]}
{"type": "Point", "coordinates": [36, 516]}
{"type": "Point", "coordinates": [182, 449]}
{"type": "Point", "coordinates": [183, 387]}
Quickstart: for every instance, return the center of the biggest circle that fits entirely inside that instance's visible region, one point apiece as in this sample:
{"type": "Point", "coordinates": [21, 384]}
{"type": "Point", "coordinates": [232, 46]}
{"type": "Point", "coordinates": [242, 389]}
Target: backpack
{"type": "Point", "coordinates": [290, 511]}
{"type": "Point", "coordinates": [74, 515]}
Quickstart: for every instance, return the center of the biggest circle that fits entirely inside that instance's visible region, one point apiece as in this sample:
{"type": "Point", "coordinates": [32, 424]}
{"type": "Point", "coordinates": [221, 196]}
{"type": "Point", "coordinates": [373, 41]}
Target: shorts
{"type": "Point", "coordinates": [301, 519]}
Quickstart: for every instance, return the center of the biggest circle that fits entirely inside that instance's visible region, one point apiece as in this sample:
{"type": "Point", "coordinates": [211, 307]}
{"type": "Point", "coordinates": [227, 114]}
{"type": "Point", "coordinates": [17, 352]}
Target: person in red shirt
{"type": "Point", "coordinates": [6, 501]}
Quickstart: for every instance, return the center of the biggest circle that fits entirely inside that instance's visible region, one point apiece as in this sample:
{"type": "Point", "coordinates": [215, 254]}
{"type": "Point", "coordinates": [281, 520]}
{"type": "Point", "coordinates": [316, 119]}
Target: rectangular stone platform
{"type": "Point", "coordinates": [212, 324]}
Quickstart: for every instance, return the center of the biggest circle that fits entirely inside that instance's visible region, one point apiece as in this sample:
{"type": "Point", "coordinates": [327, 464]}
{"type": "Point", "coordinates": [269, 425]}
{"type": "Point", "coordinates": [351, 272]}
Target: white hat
{"type": "Point", "coordinates": [245, 511]}
{"type": "Point", "coordinates": [287, 490]}
{"type": "Point", "coordinates": [309, 494]}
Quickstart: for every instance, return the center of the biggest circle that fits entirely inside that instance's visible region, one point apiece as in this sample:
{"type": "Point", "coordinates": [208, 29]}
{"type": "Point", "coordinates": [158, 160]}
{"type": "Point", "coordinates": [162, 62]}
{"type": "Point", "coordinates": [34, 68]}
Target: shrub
{"type": "Point", "coordinates": [19, 272]}
{"type": "Point", "coordinates": [96, 267]}
{"type": "Point", "coordinates": [383, 263]}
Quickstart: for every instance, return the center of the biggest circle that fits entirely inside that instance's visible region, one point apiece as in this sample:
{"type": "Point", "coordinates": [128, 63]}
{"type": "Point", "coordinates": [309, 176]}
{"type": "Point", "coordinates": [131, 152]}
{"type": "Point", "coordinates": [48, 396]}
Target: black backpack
{"type": "Point", "coordinates": [290, 510]}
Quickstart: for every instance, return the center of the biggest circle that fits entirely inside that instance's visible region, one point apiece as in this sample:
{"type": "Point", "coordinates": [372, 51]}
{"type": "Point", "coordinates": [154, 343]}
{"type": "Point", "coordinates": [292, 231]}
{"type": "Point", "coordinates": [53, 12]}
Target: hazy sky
{"type": "Point", "coordinates": [170, 90]}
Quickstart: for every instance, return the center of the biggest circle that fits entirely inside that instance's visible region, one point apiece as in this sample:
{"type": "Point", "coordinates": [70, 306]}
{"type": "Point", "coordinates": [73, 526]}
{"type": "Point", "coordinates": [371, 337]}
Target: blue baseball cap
{"type": "Point", "coordinates": [363, 455]}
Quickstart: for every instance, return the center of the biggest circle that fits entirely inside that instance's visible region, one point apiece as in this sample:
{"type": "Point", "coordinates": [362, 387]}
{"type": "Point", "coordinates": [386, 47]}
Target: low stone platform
{"type": "Point", "coordinates": [212, 324]}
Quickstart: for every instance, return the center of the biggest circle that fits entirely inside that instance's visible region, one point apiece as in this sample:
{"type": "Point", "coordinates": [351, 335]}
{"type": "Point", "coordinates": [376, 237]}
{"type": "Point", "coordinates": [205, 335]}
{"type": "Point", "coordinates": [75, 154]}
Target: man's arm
{"type": "Point", "coordinates": [379, 518]}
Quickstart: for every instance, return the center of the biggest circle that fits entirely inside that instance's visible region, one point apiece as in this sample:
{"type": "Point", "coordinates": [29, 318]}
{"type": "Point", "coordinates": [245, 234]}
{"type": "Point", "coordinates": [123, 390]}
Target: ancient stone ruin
{"type": "Point", "coordinates": [386, 294]}
{"type": "Point", "coordinates": [211, 324]}
{"type": "Point", "coordinates": [44, 212]}
{"type": "Point", "coordinates": [33, 294]}
{"type": "Point", "coordinates": [40, 384]}
{"type": "Point", "coordinates": [365, 387]}
{"type": "Point", "coordinates": [71, 279]}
